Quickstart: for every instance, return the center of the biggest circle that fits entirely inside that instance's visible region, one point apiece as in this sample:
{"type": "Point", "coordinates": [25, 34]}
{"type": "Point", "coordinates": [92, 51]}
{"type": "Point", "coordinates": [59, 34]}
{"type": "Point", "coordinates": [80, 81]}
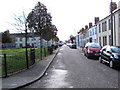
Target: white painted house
{"type": "Point", "coordinates": [101, 31]}
{"type": "Point", "coordinates": [32, 41]}
{"type": "Point", "coordinates": [104, 30]}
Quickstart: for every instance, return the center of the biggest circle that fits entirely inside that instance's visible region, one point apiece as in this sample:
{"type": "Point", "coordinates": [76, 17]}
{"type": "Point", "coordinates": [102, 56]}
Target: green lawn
{"type": "Point", "coordinates": [16, 59]}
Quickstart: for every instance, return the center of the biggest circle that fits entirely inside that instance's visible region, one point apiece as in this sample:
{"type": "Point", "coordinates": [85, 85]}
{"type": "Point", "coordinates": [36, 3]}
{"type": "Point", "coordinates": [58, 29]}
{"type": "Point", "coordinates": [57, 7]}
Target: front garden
{"type": "Point", "coordinates": [16, 59]}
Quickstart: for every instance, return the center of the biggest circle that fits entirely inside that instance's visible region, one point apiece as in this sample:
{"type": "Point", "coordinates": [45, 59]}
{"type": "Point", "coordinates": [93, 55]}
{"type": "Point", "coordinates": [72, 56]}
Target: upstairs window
{"type": "Point", "coordinates": [109, 24]}
{"type": "Point", "coordinates": [99, 28]}
{"type": "Point", "coordinates": [104, 26]}
{"type": "Point", "coordinates": [20, 39]}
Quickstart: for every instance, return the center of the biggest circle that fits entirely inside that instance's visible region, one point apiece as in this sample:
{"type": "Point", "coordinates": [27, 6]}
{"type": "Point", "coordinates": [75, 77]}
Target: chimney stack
{"type": "Point", "coordinates": [96, 19]}
{"type": "Point", "coordinates": [86, 26]}
{"type": "Point", "coordinates": [90, 24]}
{"type": "Point", "coordinates": [114, 6]}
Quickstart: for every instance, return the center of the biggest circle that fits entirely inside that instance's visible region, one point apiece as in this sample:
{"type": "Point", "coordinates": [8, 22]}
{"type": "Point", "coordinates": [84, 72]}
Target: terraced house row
{"type": "Point", "coordinates": [101, 31]}
{"type": "Point", "coordinates": [33, 40]}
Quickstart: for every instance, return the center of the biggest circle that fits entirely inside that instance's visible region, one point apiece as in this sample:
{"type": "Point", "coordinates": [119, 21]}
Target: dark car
{"type": "Point", "coordinates": [61, 44]}
{"type": "Point", "coordinates": [92, 50]}
{"type": "Point", "coordinates": [111, 55]}
{"type": "Point", "coordinates": [74, 46]}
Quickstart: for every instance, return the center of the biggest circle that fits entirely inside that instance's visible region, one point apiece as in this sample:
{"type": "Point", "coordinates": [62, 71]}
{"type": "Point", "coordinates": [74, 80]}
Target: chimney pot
{"type": "Point", "coordinates": [114, 6]}
{"type": "Point", "coordinates": [96, 20]}
{"type": "Point", "coordinates": [86, 26]}
{"type": "Point", "coordinates": [90, 24]}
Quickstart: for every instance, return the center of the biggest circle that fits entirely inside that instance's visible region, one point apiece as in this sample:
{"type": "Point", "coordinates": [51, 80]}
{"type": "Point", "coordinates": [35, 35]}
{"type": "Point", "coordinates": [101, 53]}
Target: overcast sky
{"type": "Point", "coordinates": [69, 16]}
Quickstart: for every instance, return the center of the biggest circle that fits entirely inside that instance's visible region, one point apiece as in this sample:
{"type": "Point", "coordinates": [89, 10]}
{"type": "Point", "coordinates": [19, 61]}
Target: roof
{"type": "Point", "coordinates": [23, 35]}
{"type": "Point", "coordinates": [109, 15]}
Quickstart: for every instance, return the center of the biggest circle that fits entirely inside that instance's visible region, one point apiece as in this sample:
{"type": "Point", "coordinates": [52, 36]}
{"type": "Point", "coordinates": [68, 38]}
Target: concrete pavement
{"type": "Point", "coordinates": [71, 69]}
{"type": "Point", "coordinates": [29, 76]}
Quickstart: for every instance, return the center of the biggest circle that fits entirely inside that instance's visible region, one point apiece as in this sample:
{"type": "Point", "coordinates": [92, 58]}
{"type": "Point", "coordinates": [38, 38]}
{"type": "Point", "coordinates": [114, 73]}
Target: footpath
{"type": "Point", "coordinates": [29, 76]}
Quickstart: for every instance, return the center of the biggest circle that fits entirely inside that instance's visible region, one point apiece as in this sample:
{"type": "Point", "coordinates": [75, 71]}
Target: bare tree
{"type": "Point", "coordinates": [20, 21]}
{"type": "Point", "coordinates": [21, 25]}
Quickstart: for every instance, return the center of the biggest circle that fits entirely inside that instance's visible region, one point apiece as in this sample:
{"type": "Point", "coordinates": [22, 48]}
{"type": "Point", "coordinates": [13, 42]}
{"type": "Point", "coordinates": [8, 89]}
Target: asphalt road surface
{"type": "Point", "coordinates": [71, 69]}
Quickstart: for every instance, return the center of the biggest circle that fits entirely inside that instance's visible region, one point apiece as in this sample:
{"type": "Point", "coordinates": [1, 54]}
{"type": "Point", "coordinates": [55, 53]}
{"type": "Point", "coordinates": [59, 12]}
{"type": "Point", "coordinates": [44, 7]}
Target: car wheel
{"type": "Point", "coordinates": [111, 64]}
{"type": "Point", "coordinates": [87, 56]}
{"type": "Point", "coordinates": [100, 59]}
{"type": "Point", "coordinates": [84, 54]}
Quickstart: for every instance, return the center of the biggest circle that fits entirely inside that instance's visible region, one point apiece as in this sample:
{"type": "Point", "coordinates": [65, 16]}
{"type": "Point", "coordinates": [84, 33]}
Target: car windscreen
{"type": "Point", "coordinates": [115, 49]}
{"type": "Point", "coordinates": [94, 46]}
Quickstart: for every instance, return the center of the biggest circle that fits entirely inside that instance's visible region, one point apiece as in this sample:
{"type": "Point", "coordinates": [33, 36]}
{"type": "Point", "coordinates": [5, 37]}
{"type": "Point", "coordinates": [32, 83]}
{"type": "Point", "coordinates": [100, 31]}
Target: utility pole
{"type": "Point", "coordinates": [111, 11]}
{"type": "Point", "coordinates": [75, 35]}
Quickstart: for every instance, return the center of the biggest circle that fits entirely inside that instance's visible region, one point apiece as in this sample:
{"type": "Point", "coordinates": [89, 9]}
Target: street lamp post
{"type": "Point", "coordinates": [111, 11]}
{"type": "Point", "coordinates": [26, 45]}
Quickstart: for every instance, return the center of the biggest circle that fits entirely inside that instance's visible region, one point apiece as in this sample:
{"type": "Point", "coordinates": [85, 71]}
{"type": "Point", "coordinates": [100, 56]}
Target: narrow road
{"type": "Point", "coordinates": [71, 69]}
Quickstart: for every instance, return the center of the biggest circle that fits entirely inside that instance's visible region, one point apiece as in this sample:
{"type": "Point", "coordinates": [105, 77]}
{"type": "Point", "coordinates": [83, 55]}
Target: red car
{"type": "Point", "coordinates": [92, 50]}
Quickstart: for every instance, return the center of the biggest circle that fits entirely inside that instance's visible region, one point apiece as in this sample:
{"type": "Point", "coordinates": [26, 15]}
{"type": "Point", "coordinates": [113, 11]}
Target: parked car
{"type": "Point", "coordinates": [61, 44]}
{"type": "Point", "coordinates": [92, 49]}
{"type": "Point", "coordinates": [111, 55]}
{"type": "Point", "coordinates": [74, 46]}
{"type": "Point", "coordinates": [69, 45]}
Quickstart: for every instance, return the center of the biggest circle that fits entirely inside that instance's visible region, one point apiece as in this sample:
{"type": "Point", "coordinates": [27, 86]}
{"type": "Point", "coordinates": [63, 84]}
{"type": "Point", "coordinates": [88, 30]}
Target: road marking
{"type": "Point", "coordinates": [59, 54]}
{"type": "Point", "coordinates": [57, 79]}
{"type": "Point", "coordinates": [82, 53]}
{"type": "Point", "coordinates": [61, 49]}
{"type": "Point", "coordinates": [71, 87]}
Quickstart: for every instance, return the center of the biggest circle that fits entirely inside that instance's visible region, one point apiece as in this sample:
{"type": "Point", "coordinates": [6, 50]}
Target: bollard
{"type": "Point", "coordinates": [50, 50]}
{"type": "Point", "coordinates": [5, 65]}
{"type": "Point", "coordinates": [32, 55]}
{"type": "Point", "coordinates": [45, 52]}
